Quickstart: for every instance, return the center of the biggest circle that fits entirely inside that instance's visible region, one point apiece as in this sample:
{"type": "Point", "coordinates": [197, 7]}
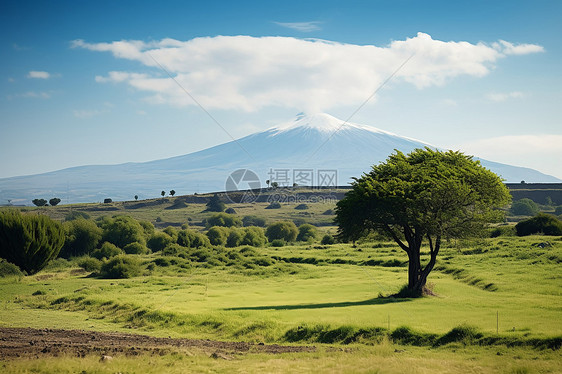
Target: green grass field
{"type": "Point", "coordinates": [314, 294]}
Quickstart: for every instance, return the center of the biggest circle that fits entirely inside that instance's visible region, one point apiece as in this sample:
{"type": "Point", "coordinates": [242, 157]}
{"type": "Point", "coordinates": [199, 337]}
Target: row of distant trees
{"type": "Point", "coordinates": [42, 202]}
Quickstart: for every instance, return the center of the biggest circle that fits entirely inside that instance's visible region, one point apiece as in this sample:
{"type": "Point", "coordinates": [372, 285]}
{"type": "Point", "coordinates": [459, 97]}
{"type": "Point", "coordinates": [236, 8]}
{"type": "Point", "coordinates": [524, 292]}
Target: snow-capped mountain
{"type": "Point", "coordinates": [315, 150]}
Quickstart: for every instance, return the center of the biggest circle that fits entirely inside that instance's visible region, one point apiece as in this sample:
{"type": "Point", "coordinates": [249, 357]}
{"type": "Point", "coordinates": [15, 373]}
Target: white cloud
{"type": "Point", "coordinates": [499, 97]}
{"type": "Point", "coordinates": [521, 150]}
{"type": "Point", "coordinates": [38, 74]}
{"type": "Point", "coordinates": [301, 26]}
{"type": "Point", "coordinates": [508, 48]}
{"type": "Point", "coordinates": [249, 73]}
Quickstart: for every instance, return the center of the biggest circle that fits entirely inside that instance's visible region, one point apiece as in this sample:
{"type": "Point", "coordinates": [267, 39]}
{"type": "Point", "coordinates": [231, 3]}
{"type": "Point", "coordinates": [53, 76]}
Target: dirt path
{"type": "Point", "coordinates": [30, 343]}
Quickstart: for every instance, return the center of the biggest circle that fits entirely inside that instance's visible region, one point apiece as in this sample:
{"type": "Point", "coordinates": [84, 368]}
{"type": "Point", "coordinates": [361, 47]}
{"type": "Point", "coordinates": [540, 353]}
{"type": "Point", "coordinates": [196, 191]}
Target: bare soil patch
{"type": "Point", "coordinates": [34, 343]}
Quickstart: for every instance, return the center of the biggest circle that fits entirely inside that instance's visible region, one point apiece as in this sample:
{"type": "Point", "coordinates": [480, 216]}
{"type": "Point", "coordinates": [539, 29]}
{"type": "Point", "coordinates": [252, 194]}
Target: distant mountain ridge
{"type": "Point", "coordinates": [312, 148]}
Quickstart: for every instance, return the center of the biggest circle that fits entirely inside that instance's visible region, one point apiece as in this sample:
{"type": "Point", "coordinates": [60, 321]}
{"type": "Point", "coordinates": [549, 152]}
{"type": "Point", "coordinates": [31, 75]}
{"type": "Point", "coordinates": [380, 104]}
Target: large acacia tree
{"type": "Point", "coordinates": [423, 197]}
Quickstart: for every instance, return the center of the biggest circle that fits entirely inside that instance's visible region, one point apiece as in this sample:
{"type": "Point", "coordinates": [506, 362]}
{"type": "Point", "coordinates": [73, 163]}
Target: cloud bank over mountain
{"type": "Point", "coordinates": [249, 73]}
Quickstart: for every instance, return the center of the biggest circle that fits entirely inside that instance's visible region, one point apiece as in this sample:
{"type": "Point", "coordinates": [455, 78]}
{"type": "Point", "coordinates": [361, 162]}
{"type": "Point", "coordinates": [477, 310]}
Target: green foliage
{"type": "Point", "coordinates": [524, 207]}
{"type": "Point", "coordinates": [76, 215]}
{"type": "Point", "coordinates": [107, 250]}
{"type": "Point", "coordinates": [7, 269]}
{"type": "Point", "coordinates": [253, 221]}
{"type": "Point", "coordinates": [172, 192]}
{"type": "Point", "coordinates": [147, 227]}
{"type": "Point", "coordinates": [426, 195]}
{"type": "Point", "coordinates": [235, 237]}
{"type": "Point", "coordinates": [136, 249]}
{"type": "Point", "coordinates": [193, 239]}
{"type": "Point", "coordinates": [82, 237]}
{"type": "Point", "coordinates": [215, 204]}
{"type": "Point", "coordinates": [302, 207]}
{"type": "Point", "coordinates": [307, 233]}
{"type": "Point", "coordinates": [90, 264]}
{"type": "Point", "coordinates": [173, 250]}
{"type": "Point", "coordinates": [120, 267]}
{"type": "Point", "coordinates": [122, 230]}
{"type": "Point", "coordinates": [254, 236]}
{"type": "Point", "coordinates": [284, 230]}
{"type": "Point", "coordinates": [502, 231]}
{"type": "Point", "coordinates": [274, 205]}
{"type": "Point", "coordinates": [558, 210]}
{"type": "Point", "coordinates": [461, 334]}
{"type": "Point", "coordinates": [29, 241]}
{"type": "Point", "coordinates": [278, 243]}
{"type": "Point", "coordinates": [218, 235]}
{"type": "Point", "coordinates": [230, 211]}
{"type": "Point", "coordinates": [172, 232]}
{"type": "Point", "coordinates": [328, 240]}
{"type": "Point", "coordinates": [158, 241]}
{"type": "Point", "coordinates": [54, 201]}
{"type": "Point", "coordinates": [224, 220]}
{"type": "Point", "coordinates": [543, 223]}
{"type": "Point", "coordinates": [39, 202]}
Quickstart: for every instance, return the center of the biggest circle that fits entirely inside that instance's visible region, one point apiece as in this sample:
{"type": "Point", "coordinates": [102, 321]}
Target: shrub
{"type": "Point", "coordinates": [120, 267]}
{"type": "Point", "coordinates": [230, 211]}
{"type": "Point", "coordinates": [90, 264]}
{"type": "Point", "coordinates": [278, 243]}
{"type": "Point", "coordinates": [307, 233]}
{"type": "Point", "coordinates": [329, 212]}
{"type": "Point", "coordinates": [284, 230]}
{"type": "Point", "coordinates": [172, 232]}
{"type": "Point", "coordinates": [122, 230]}
{"type": "Point", "coordinates": [253, 221]}
{"type": "Point", "coordinates": [328, 240]}
{"type": "Point", "coordinates": [76, 215]}
{"type": "Point", "coordinates": [82, 237]}
{"type": "Point", "coordinates": [215, 204]}
{"type": "Point", "coordinates": [29, 241]}
{"type": "Point", "coordinates": [543, 223]}
{"type": "Point", "coordinates": [147, 227]}
{"type": "Point", "coordinates": [224, 220]}
{"type": "Point", "coordinates": [158, 241]}
{"type": "Point", "coordinates": [502, 231]}
{"type": "Point", "coordinates": [193, 239]}
{"type": "Point", "coordinates": [302, 207]}
{"type": "Point", "coordinates": [218, 235]}
{"type": "Point", "coordinates": [524, 207]}
{"type": "Point", "coordinates": [235, 238]}
{"type": "Point", "coordinates": [7, 269]}
{"type": "Point", "coordinates": [558, 210]}
{"type": "Point", "coordinates": [136, 249]}
{"type": "Point", "coordinates": [107, 250]}
{"type": "Point", "coordinates": [173, 249]}
{"type": "Point", "coordinates": [254, 236]}
{"type": "Point", "coordinates": [107, 201]}
{"type": "Point", "coordinates": [274, 205]}
{"type": "Point", "coordinates": [460, 334]}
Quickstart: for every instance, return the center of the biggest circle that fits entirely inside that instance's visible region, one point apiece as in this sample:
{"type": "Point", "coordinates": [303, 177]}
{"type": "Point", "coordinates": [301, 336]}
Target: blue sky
{"type": "Point", "coordinates": [83, 82]}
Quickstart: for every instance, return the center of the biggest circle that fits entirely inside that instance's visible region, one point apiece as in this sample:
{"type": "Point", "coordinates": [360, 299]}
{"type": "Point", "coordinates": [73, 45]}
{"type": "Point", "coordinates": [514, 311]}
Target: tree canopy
{"type": "Point", "coordinates": [426, 195]}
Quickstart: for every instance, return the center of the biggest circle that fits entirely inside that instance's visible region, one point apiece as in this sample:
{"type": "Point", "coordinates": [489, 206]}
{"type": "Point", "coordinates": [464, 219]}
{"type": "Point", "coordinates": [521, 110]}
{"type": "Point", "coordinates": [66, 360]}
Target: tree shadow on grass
{"type": "Point", "coordinates": [342, 304]}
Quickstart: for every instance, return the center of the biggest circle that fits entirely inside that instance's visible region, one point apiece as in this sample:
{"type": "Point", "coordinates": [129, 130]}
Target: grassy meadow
{"type": "Point", "coordinates": [497, 308]}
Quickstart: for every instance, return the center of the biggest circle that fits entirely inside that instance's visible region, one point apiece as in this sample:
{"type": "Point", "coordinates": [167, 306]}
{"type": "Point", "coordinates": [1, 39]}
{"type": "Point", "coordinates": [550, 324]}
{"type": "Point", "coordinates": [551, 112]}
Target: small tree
{"type": "Point", "coordinates": [136, 197]}
{"type": "Point", "coordinates": [425, 196]}
{"type": "Point", "coordinates": [307, 232]}
{"type": "Point", "coordinates": [39, 202]}
{"type": "Point", "coordinates": [524, 207]}
{"type": "Point", "coordinates": [54, 201]}
{"type": "Point", "coordinates": [172, 192]}
{"type": "Point", "coordinates": [29, 241]}
{"type": "Point", "coordinates": [163, 193]}
{"type": "Point", "coordinates": [215, 204]}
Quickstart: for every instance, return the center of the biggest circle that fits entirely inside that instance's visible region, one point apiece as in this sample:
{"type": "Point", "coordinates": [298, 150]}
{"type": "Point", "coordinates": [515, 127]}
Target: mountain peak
{"type": "Point", "coordinates": [322, 122]}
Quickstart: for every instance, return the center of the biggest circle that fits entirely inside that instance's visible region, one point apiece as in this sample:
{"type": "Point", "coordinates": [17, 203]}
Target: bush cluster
{"type": "Point", "coordinates": [234, 237]}
{"type": "Point", "coordinates": [524, 207]}
{"type": "Point", "coordinates": [541, 224]}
